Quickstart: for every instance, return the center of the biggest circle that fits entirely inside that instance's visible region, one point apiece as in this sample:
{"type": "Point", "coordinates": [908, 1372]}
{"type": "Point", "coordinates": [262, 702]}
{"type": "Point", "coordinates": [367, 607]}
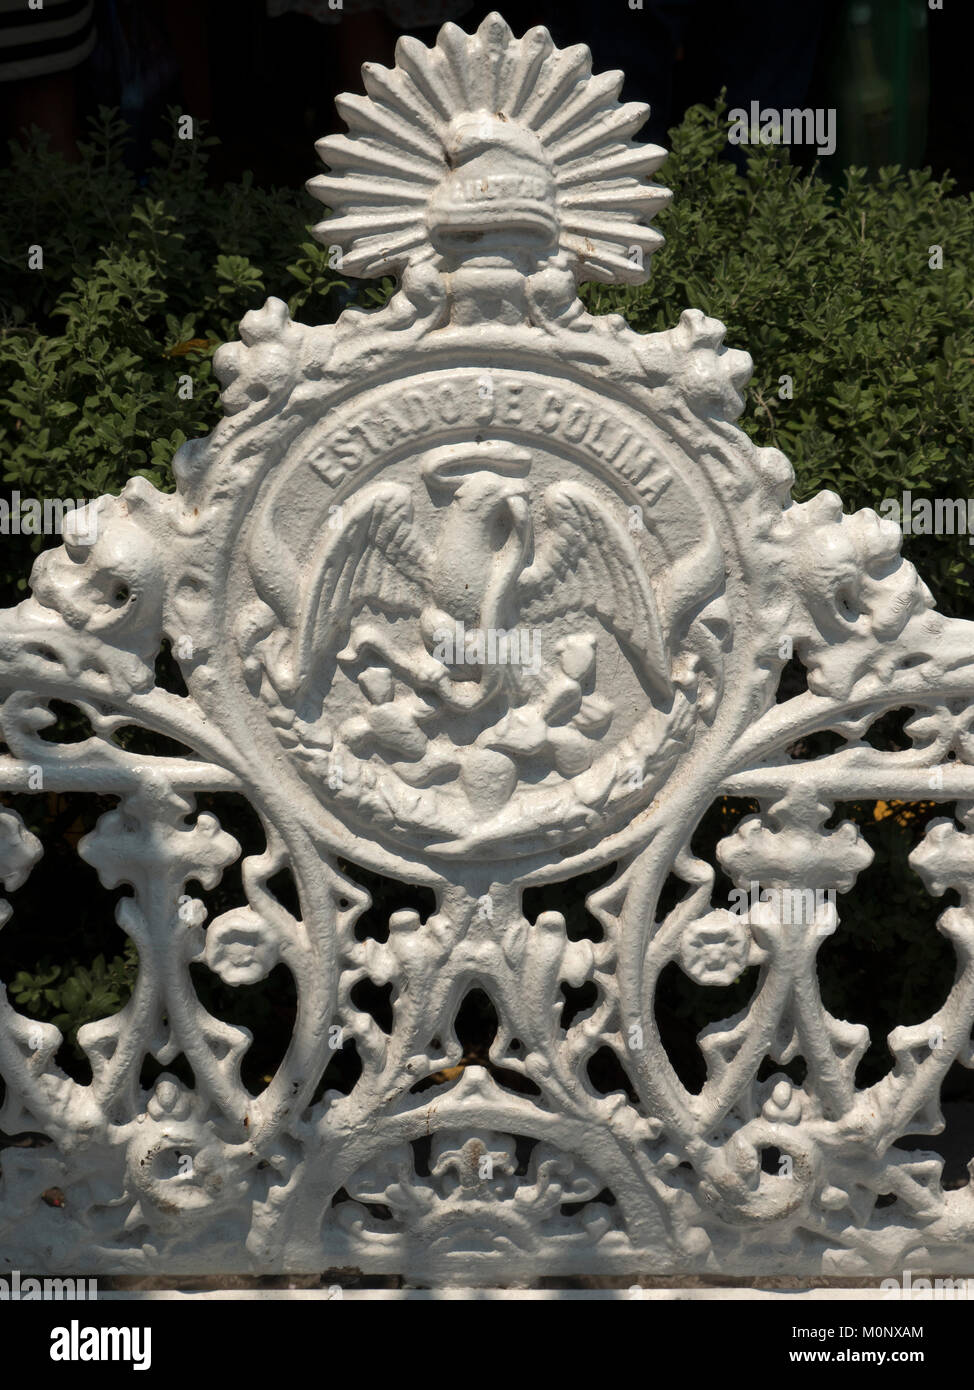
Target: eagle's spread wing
{"type": "Point", "coordinates": [374, 556]}
{"type": "Point", "coordinates": [588, 562]}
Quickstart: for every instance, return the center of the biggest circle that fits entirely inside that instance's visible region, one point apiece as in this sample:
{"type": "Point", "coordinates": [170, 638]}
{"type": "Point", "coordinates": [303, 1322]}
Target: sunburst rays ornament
{"type": "Point", "coordinates": [484, 143]}
{"type": "Point", "coordinates": [438, 653]}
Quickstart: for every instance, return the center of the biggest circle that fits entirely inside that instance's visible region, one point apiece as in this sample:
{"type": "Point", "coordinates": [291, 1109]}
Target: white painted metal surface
{"type": "Point", "coordinates": [479, 592]}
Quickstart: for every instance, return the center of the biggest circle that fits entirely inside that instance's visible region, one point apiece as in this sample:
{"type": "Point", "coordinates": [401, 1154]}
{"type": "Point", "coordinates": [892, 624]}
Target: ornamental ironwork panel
{"type": "Point", "coordinates": [475, 595]}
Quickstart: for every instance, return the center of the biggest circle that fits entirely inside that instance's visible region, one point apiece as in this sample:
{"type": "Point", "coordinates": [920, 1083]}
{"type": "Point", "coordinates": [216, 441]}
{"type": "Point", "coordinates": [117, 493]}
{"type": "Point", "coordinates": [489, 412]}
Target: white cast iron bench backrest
{"type": "Point", "coordinates": [480, 593]}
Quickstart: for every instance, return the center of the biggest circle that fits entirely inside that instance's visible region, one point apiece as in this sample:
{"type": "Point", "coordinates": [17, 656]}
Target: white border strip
{"type": "Point", "coordinates": [464, 1295]}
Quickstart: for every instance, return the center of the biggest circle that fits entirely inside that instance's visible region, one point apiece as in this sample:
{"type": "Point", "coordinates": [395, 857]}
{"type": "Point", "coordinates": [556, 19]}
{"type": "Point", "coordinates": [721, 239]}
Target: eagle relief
{"type": "Point", "coordinates": [486, 610]}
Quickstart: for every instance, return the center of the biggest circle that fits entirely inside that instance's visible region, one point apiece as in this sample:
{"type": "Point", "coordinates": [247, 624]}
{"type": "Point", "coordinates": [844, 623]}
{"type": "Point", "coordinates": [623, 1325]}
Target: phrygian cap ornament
{"type": "Point", "coordinates": [480, 593]}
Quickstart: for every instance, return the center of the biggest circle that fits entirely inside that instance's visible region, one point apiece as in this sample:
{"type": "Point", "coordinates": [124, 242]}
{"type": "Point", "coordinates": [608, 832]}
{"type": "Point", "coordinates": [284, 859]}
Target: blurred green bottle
{"type": "Point", "coordinates": [880, 78]}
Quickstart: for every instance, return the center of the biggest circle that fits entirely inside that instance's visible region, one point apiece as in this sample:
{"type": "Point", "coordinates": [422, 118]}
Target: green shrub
{"type": "Point", "coordinates": [835, 291]}
{"type": "Point", "coordinates": [70, 995]}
